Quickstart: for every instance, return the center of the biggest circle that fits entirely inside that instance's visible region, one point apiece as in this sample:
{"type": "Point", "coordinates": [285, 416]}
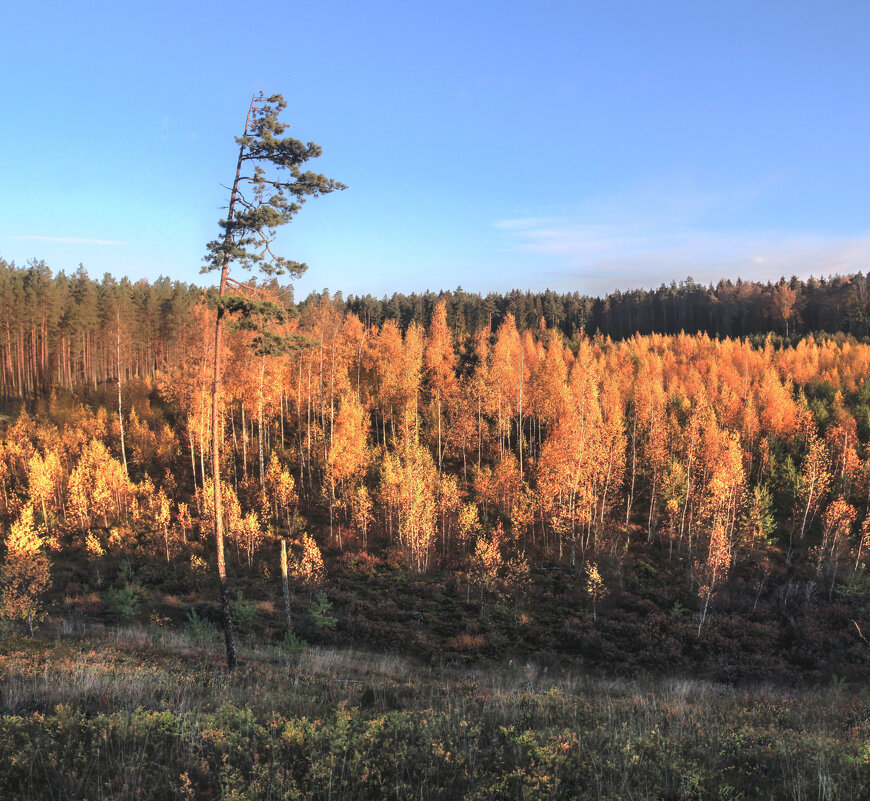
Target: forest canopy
{"type": "Point", "coordinates": [63, 330]}
{"type": "Point", "coordinates": [468, 443]}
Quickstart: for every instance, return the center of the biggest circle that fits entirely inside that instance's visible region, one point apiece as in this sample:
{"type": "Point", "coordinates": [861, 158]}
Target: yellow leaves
{"type": "Point", "coordinates": [507, 483]}
{"type": "Point", "coordinates": [488, 568]}
{"type": "Point", "coordinates": [815, 477]}
{"type": "Point", "coordinates": [279, 494]}
{"type": "Point", "coordinates": [713, 571]}
{"type": "Point", "coordinates": [361, 510]}
{"type": "Point", "coordinates": [439, 358]}
{"type": "Point", "coordinates": [243, 530]}
{"type": "Point", "coordinates": [54, 543]}
{"type": "Point", "coordinates": [280, 485]}
{"type": "Point", "coordinates": [576, 461]}
{"type": "Point", "coordinates": [232, 510]}
{"type": "Point", "coordinates": [412, 362]}
{"type": "Point", "coordinates": [391, 479]}
{"type": "Point", "coordinates": [408, 487]}
{"type": "Point", "coordinates": [141, 440]}
{"type": "Point", "coordinates": [19, 439]}
{"type": "Point", "coordinates": [777, 409]}
{"type": "Point", "coordinates": [198, 564]}
{"type": "Point", "coordinates": [724, 457]}
{"type": "Point", "coordinates": [25, 573]}
{"type": "Point", "coordinates": [98, 485]}
{"type": "Point", "coordinates": [348, 455]}
{"type": "Point", "coordinates": [522, 512]}
{"type": "Point", "coordinates": [248, 534]}
{"type": "Point", "coordinates": [674, 486]}
{"type": "Point", "coordinates": [595, 587]}
{"type": "Point", "coordinates": [161, 510]}
{"type": "Point", "coordinates": [486, 561]}
{"type": "Point", "coordinates": [517, 574]}
{"type": "Point", "coordinates": [187, 383]}
{"type": "Point", "coordinates": [719, 554]}
{"type": "Point", "coordinates": [93, 546]}
{"type": "Point", "coordinates": [308, 568]}
{"type": "Point", "coordinates": [116, 537]}
{"type": "Point", "coordinates": [416, 504]}
{"type": "Point", "coordinates": [839, 518]}
{"type": "Point", "coordinates": [167, 447]}
{"type": "Point", "coordinates": [43, 475]}
{"type": "Point", "coordinates": [449, 496]}
{"type": "Point", "coordinates": [509, 371]}
{"type": "Point", "coordinates": [24, 540]}
{"type": "Point", "coordinates": [184, 518]}
{"type": "Point", "coordinates": [397, 364]}
{"type": "Point", "coordinates": [469, 522]}
{"type": "Point", "coordinates": [77, 496]}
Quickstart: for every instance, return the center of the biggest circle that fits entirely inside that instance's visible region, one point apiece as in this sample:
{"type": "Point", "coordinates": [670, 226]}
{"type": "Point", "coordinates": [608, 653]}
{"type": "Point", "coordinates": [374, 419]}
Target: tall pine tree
{"type": "Point", "coordinates": [260, 202]}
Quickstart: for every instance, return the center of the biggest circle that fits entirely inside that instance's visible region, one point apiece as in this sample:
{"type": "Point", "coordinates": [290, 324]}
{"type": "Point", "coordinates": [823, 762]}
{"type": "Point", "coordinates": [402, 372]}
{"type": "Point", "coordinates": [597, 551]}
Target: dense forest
{"type": "Point", "coordinates": [471, 553]}
{"type": "Point", "coordinates": [71, 330]}
{"type": "Point", "coordinates": [736, 470]}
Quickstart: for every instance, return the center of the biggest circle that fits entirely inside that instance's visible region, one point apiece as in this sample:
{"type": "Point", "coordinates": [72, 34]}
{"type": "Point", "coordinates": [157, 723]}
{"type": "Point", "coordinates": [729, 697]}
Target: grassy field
{"type": "Point", "coordinates": [147, 712]}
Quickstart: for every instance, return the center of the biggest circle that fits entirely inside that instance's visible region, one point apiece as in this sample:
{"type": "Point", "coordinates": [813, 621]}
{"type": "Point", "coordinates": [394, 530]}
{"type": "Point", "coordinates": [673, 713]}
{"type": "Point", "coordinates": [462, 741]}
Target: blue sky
{"type": "Point", "coordinates": [573, 145]}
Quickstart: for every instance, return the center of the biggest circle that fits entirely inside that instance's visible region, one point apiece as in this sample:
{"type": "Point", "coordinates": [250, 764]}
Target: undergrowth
{"type": "Point", "coordinates": [149, 713]}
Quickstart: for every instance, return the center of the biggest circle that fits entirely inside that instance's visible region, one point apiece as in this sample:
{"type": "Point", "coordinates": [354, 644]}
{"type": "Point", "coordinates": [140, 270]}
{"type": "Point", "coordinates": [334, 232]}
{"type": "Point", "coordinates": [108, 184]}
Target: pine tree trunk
{"type": "Point", "coordinates": [260, 420]}
{"type": "Point", "coordinates": [226, 613]}
{"type": "Point", "coordinates": [299, 426]}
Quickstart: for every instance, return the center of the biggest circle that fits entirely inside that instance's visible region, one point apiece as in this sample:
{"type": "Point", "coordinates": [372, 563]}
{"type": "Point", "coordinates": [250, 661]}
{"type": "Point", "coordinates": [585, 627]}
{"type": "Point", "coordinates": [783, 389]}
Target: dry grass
{"type": "Point", "coordinates": [526, 729]}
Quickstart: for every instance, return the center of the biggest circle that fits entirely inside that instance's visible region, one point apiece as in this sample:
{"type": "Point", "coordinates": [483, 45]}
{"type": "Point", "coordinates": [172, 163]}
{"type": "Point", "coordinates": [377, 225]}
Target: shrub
{"type": "Point", "coordinates": [291, 644]}
{"type": "Point", "coordinates": [123, 601]}
{"type": "Point", "coordinates": [199, 627]}
{"type": "Point", "coordinates": [320, 612]}
{"type": "Point", "coordinates": [467, 642]}
{"type": "Point", "coordinates": [243, 612]}
{"type": "Point", "coordinates": [678, 610]}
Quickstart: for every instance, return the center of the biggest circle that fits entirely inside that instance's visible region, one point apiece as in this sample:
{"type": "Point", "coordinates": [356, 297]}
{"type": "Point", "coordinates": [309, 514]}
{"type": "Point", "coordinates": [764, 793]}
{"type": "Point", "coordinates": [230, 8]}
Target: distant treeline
{"type": "Point", "coordinates": [71, 330]}
{"type": "Point", "coordinates": [729, 309]}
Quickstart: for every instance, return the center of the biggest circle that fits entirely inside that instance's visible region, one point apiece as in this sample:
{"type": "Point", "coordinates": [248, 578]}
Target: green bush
{"type": "Point", "coordinates": [199, 627]}
{"type": "Point", "coordinates": [291, 644]}
{"type": "Point", "coordinates": [678, 610]}
{"type": "Point", "coordinates": [243, 613]}
{"type": "Point", "coordinates": [320, 612]}
{"type": "Point", "coordinates": [124, 600]}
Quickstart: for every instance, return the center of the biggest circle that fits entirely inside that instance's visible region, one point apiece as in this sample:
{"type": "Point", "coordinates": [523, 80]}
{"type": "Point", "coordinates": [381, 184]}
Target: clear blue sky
{"type": "Point", "coordinates": [570, 145]}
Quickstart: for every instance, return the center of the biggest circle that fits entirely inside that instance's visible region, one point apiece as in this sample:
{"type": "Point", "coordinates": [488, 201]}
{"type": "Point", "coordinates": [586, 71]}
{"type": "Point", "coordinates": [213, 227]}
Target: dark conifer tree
{"type": "Point", "coordinates": [260, 202]}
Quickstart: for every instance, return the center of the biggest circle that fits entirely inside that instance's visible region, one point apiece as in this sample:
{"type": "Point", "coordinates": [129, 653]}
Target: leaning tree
{"type": "Point", "coordinates": [269, 188]}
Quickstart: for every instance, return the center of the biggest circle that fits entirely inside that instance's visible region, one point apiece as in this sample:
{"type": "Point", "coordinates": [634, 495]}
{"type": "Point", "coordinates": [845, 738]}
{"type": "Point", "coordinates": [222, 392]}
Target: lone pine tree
{"type": "Point", "coordinates": [269, 188]}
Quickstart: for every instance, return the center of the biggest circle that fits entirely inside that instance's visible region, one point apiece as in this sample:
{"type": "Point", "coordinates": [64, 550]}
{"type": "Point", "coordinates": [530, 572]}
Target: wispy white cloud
{"type": "Point", "coordinates": [70, 240]}
{"type": "Point", "coordinates": [521, 223]}
{"type": "Point", "coordinates": [644, 239]}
